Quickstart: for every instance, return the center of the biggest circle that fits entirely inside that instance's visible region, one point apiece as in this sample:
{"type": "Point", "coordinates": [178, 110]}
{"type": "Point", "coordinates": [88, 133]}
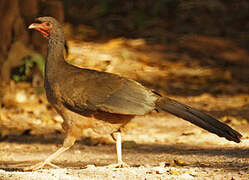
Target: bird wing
{"type": "Point", "coordinates": [131, 98]}
{"type": "Point", "coordinates": [99, 91]}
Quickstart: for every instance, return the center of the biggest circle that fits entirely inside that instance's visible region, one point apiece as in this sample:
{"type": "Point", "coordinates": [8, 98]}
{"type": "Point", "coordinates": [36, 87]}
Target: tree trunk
{"type": "Point", "coordinates": [16, 41]}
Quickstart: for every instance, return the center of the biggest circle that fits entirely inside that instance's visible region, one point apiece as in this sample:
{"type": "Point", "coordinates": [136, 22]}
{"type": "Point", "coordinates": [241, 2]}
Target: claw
{"type": "Point", "coordinates": [50, 158]}
{"type": "Point", "coordinates": [39, 166]}
{"type": "Point", "coordinates": [53, 165]}
{"type": "Point", "coordinates": [118, 165]}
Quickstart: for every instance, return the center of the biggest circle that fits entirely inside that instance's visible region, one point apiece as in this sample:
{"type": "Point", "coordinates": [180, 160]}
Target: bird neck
{"type": "Point", "coordinates": [55, 61]}
{"type": "Point", "coordinates": [55, 49]}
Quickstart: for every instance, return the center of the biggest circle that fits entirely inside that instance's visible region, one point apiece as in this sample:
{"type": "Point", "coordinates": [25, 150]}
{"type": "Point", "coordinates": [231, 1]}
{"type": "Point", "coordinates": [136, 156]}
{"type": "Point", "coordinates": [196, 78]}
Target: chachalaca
{"type": "Point", "coordinates": [103, 101]}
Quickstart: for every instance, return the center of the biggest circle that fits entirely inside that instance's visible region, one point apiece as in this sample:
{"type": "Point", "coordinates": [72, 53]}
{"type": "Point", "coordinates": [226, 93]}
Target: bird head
{"type": "Point", "coordinates": [47, 26]}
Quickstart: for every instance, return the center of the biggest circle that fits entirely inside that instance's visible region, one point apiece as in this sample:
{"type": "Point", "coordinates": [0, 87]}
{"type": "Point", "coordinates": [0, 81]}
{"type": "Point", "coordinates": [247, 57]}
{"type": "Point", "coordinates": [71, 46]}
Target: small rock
{"type": "Point", "coordinates": [164, 164]}
{"type": "Point", "coordinates": [180, 162]}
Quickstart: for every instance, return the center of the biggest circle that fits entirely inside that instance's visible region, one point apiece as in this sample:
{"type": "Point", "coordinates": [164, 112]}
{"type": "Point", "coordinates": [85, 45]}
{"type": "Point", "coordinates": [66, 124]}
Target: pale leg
{"type": "Point", "coordinates": [119, 147]}
{"type": "Point", "coordinates": [68, 142]}
{"type": "Point", "coordinates": [118, 140]}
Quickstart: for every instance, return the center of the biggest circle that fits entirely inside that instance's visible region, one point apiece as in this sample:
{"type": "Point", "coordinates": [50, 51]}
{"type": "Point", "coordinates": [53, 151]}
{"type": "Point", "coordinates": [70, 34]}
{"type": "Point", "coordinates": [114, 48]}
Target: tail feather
{"type": "Point", "coordinates": [198, 118]}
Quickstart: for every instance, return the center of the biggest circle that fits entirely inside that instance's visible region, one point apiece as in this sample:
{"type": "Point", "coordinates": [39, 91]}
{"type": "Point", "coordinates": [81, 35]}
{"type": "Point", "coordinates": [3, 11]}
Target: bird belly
{"type": "Point", "coordinates": [107, 123]}
{"type": "Point", "coordinates": [100, 122]}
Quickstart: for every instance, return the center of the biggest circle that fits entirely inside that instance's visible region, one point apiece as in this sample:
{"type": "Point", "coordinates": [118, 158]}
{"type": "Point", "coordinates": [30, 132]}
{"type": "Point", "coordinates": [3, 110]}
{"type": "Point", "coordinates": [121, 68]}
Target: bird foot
{"type": "Point", "coordinates": [118, 165]}
{"type": "Point", "coordinates": [39, 166]}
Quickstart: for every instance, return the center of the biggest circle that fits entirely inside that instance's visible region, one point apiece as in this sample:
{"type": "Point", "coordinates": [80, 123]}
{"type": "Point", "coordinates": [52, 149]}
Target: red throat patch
{"type": "Point", "coordinates": [43, 32]}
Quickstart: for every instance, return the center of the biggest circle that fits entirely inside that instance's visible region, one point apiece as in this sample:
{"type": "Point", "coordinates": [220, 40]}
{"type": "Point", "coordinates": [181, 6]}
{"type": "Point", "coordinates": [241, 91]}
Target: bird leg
{"type": "Point", "coordinates": [68, 142]}
{"type": "Point", "coordinates": [118, 140]}
{"type": "Point", "coordinates": [119, 147]}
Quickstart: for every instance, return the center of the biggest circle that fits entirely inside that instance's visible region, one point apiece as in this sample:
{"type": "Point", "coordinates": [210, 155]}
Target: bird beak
{"type": "Point", "coordinates": [39, 27]}
{"type": "Point", "coordinates": [35, 26]}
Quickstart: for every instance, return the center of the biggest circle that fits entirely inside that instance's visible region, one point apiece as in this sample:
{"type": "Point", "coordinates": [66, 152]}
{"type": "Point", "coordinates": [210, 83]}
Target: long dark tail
{"type": "Point", "coordinates": [198, 118]}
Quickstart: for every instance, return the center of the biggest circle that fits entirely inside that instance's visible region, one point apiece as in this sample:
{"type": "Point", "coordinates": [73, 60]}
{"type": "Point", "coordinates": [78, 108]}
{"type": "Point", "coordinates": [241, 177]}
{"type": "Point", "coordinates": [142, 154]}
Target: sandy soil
{"type": "Point", "coordinates": [157, 146]}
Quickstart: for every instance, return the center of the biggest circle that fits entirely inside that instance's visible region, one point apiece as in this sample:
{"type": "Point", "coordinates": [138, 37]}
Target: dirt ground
{"type": "Point", "coordinates": [156, 146]}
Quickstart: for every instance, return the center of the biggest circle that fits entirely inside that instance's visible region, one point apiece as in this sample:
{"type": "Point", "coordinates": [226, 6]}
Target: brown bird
{"type": "Point", "coordinates": [103, 101]}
